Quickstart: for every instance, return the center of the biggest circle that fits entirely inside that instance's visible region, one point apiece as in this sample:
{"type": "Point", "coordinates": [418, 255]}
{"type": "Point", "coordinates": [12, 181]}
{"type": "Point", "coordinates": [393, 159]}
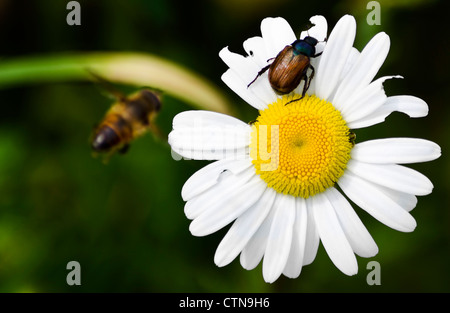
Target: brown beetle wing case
{"type": "Point", "coordinates": [287, 70]}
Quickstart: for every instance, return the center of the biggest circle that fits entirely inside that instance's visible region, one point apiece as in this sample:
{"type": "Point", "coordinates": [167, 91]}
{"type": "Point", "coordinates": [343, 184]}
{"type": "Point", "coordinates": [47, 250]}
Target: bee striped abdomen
{"type": "Point", "coordinates": [111, 133]}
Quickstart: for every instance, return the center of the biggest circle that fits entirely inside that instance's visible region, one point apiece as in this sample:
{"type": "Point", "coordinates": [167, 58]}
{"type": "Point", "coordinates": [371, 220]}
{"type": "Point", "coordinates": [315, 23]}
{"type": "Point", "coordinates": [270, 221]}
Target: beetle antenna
{"type": "Point", "coordinates": [311, 25]}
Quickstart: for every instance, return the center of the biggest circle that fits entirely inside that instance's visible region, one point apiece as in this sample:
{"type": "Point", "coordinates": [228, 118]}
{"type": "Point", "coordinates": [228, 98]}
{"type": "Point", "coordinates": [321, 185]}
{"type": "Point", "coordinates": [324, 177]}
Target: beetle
{"type": "Point", "coordinates": [290, 66]}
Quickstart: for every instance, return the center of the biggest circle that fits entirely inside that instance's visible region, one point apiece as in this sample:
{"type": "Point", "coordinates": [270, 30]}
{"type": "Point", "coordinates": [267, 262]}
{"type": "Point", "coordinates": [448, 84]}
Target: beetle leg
{"type": "Point", "coordinates": [294, 100]}
{"type": "Point", "coordinates": [317, 54]}
{"type": "Point", "coordinates": [265, 68]}
{"type": "Point", "coordinates": [307, 83]}
{"type": "Point", "coordinates": [308, 80]}
{"type": "Point", "coordinates": [305, 78]}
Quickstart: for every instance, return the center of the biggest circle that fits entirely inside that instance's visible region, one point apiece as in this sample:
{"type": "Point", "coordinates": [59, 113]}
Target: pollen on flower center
{"type": "Point", "coordinates": [300, 147]}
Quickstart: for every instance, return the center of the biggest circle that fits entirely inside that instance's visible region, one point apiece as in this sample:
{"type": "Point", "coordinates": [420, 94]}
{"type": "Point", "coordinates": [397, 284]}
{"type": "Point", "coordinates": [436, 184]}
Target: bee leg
{"type": "Point", "coordinates": [264, 69]}
{"type": "Point", "coordinates": [158, 133]}
{"type": "Point", "coordinates": [124, 149]}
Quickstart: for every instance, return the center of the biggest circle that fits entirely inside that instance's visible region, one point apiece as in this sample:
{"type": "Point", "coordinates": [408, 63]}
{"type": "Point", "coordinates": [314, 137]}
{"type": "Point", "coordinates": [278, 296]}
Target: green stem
{"type": "Point", "coordinates": [125, 68]}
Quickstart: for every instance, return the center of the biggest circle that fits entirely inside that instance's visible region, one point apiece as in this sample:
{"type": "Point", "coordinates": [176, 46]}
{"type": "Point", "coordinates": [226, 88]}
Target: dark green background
{"type": "Point", "coordinates": [124, 221]}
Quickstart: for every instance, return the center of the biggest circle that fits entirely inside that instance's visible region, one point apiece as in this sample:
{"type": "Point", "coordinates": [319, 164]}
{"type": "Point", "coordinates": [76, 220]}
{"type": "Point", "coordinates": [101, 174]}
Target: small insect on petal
{"type": "Point", "coordinates": [291, 65]}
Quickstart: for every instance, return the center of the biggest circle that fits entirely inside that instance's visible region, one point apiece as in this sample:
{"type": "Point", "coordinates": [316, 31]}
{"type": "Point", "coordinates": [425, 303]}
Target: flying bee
{"type": "Point", "coordinates": [128, 118]}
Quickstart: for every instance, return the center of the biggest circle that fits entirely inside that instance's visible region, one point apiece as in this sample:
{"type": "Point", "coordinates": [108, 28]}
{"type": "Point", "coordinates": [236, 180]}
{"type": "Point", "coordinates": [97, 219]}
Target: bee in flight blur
{"type": "Point", "coordinates": [128, 118]}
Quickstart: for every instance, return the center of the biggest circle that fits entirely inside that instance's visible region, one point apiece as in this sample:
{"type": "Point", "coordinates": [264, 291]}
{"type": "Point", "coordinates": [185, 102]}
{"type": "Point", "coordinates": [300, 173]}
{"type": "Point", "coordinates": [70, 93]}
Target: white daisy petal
{"type": "Point", "coordinates": [312, 235]}
{"type": "Point", "coordinates": [204, 135]}
{"type": "Point", "coordinates": [256, 49]}
{"type": "Point", "coordinates": [364, 70]}
{"type": "Point", "coordinates": [352, 57]}
{"type": "Point", "coordinates": [262, 88]}
{"type": "Point", "coordinates": [182, 145]}
{"type": "Point", "coordinates": [245, 67]}
{"type": "Point", "coordinates": [319, 30]}
{"type": "Point", "coordinates": [225, 184]}
{"type": "Point", "coordinates": [243, 229]}
{"type": "Point", "coordinates": [295, 261]}
{"type": "Point", "coordinates": [277, 33]}
{"type": "Point", "coordinates": [332, 236]}
{"type": "Point", "coordinates": [247, 70]}
{"type": "Point", "coordinates": [226, 209]}
{"type": "Point", "coordinates": [366, 100]}
{"type": "Point", "coordinates": [253, 252]}
{"type": "Point", "coordinates": [372, 199]}
{"type": "Point", "coordinates": [235, 83]}
{"type": "Point", "coordinates": [312, 85]}
{"type": "Point", "coordinates": [405, 200]}
{"type": "Point", "coordinates": [393, 176]}
{"type": "Point", "coordinates": [199, 118]}
{"type": "Point", "coordinates": [334, 56]}
{"type": "Point", "coordinates": [208, 176]}
{"type": "Point", "coordinates": [197, 205]}
{"type": "Point", "coordinates": [280, 238]}
{"type": "Point", "coordinates": [396, 150]}
{"type": "Point", "coordinates": [359, 238]}
{"type": "Point", "coordinates": [411, 106]}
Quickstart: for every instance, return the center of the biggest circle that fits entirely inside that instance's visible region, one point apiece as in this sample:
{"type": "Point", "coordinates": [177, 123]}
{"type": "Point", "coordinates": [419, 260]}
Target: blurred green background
{"type": "Point", "coordinates": [124, 221]}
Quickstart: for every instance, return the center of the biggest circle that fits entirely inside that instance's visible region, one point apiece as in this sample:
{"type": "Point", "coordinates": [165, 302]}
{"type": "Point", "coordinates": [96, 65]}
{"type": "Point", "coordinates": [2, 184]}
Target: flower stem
{"type": "Point", "coordinates": [138, 69]}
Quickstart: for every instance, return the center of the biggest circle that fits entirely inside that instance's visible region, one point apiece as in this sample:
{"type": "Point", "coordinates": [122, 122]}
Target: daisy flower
{"type": "Point", "coordinates": [284, 180]}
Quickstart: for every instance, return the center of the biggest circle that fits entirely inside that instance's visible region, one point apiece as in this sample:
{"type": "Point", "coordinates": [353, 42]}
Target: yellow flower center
{"type": "Point", "coordinates": [301, 147]}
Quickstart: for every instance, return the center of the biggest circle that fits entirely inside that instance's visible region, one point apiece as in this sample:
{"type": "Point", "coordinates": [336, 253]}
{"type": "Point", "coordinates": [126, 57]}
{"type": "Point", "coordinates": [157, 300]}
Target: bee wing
{"type": "Point", "coordinates": [108, 86]}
